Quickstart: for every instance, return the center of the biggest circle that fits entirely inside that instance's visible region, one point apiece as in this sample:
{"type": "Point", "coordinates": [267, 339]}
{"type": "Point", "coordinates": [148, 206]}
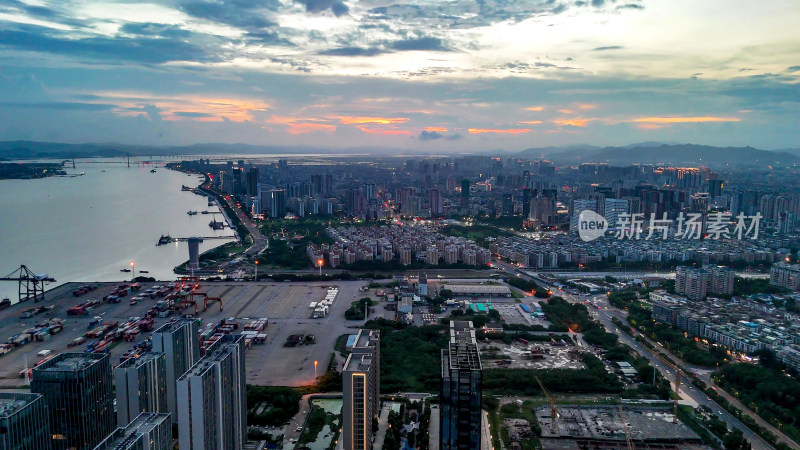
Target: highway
{"type": "Point", "coordinates": [604, 315]}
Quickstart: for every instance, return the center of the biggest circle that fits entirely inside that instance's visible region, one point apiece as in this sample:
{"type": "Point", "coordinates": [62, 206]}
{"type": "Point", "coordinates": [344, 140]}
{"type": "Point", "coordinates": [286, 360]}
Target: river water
{"type": "Point", "coordinates": [89, 227]}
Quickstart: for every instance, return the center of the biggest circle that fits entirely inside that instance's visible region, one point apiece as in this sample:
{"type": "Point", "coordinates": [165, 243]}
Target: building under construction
{"type": "Point", "coordinates": [612, 427]}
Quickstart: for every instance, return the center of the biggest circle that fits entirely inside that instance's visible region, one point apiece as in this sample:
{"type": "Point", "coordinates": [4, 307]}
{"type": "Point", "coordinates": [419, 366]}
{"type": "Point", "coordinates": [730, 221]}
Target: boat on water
{"type": "Point", "coordinates": [124, 270]}
{"type": "Point", "coordinates": [216, 225]}
{"type": "Point", "coordinates": [5, 303]}
{"type": "Point", "coordinates": [191, 213]}
{"type": "Point", "coordinates": [164, 239]}
{"type": "Point", "coordinates": [185, 188]}
{"type": "Point", "coordinates": [206, 212]}
{"type": "Point", "coordinates": [153, 171]}
{"type": "Point", "coordinates": [144, 271]}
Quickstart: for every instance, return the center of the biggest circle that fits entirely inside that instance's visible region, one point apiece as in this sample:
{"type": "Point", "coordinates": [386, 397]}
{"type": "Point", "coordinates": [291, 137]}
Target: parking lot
{"type": "Point", "coordinates": [284, 304]}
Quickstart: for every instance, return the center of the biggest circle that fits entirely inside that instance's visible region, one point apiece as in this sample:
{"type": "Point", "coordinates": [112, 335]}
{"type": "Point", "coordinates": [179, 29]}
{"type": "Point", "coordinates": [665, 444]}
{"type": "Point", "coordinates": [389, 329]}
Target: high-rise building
{"type": "Point", "coordinates": [691, 282]}
{"type": "Point", "coordinates": [141, 386]}
{"type": "Point", "coordinates": [460, 424]}
{"type": "Point", "coordinates": [613, 209]}
{"type": "Point", "coordinates": [252, 182]}
{"type": "Point", "coordinates": [578, 206]}
{"type": "Point", "coordinates": [508, 205]}
{"type": "Point", "coordinates": [147, 431]}
{"type": "Point", "coordinates": [527, 195]}
{"type": "Point", "coordinates": [212, 399]}
{"type": "Point", "coordinates": [277, 203]}
{"type": "Point", "coordinates": [78, 392]}
{"type": "Point", "coordinates": [24, 423]}
{"type": "Point", "coordinates": [720, 279]}
{"type": "Point", "coordinates": [465, 194]}
{"type": "Point", "coordinates": [785, 275]}
{"type": "Point", "coordinates": [435, 200]}
{"type": "Point", "coordinates": [179, 342]}
{"type": "Point", "coordinates": [361, 390]}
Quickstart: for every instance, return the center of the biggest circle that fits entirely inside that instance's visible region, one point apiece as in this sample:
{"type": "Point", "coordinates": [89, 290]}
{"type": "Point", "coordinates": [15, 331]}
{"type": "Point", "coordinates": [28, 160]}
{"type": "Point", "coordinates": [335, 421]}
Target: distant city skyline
{"type": "Point", "coordinates": [438, 76]}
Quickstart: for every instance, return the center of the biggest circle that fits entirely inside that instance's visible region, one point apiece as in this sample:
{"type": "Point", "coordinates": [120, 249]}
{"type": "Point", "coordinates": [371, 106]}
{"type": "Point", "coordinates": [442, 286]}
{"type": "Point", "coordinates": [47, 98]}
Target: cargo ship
{"type": "Point", "coordinates": [164, 240]}
{"type": "Point", "coordinates": [191, 213]}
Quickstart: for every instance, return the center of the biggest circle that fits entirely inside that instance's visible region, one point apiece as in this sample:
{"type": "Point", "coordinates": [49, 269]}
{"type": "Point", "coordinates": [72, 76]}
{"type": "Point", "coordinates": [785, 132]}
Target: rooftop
{"type": "Point", "coordinates": [70, 362]}
{"type": "Point", "coordinates": [122, 437]}
{"type": "Point", "coordinates": [10, 403]}
{"type": "Point", "coordinates": [358, 363]}
{"type": "Point", "coordinates": [174, 325]}
{"type": "Point", "coordinates": [462, 353]}
{"type": "Point", "coordinates": [144, 358]}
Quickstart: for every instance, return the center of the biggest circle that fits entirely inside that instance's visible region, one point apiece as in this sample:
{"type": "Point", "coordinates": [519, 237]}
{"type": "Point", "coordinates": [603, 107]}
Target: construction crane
{"type": "Point", "coordinates": [554, 414]}
{"type": "Point", "coordinates": [624, 421]}
{"type": "Point", "coordinates": [31, 286]}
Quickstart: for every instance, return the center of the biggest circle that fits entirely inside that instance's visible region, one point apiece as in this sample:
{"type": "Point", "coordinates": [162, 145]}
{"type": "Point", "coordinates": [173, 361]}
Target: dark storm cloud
{"type": "Point", "coordinates": [423, 43]}
{"type": "Point", "coordinates": [337, 7]}
{"type": "Point", "coordinates": [352, 51]}
{"type": "Point", "coordinates": [142, 49]}
{"type": "Point", "coordinates": [793, 69]}
{"type": "Point", "coordinates": [609, 47]}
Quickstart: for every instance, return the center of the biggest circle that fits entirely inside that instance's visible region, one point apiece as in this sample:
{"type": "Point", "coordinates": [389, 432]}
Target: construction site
{"type": "Point", "coordinates": [612, 427]}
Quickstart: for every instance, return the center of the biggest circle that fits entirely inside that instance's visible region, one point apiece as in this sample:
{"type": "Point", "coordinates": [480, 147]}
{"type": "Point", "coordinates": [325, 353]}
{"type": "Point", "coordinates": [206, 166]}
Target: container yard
{"type": "Point", "coordinates": [118, 318]}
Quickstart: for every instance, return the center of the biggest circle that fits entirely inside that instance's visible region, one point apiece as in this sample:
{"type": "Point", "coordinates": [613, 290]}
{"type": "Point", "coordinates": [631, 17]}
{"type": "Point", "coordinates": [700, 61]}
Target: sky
{"type": "Point", "coordinates": [438, 76]}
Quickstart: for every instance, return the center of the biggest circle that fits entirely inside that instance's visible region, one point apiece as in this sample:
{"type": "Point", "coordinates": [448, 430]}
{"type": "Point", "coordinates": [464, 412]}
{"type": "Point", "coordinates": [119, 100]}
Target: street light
{"type": "Point", "coordinates": [319, 263]}
{"type": "Point", "coordinates": [133, 269]}
{"type": "Point", "coordinates": [315, 371]}
{"type": "Point", "coordinates": [256, 273]}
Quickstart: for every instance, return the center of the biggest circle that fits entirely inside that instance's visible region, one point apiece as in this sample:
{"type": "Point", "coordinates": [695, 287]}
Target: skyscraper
{"type": "Point", "coordinates": [78, 392]}
{"type": "Point", "coordinates": [527, 195]}
{"type": "Point", "coordinates": [147, 431]}
{"type": "Point", "coordinates": [465, 194]}
{"type": "Point", "coordinates": [361, 390]}
{"type": "Point", "coordinates": [24, 424]}
{"type": "Point", "coordinates": [435, 200]}
{"type": "Point", "coordinates": [212, 402]}
{"type": "Point", "coordinates": [141, 386]}
{"type": "Point", "coordinates": [460, 424]}
{"type": "Point", "coordinates": [178, 341]}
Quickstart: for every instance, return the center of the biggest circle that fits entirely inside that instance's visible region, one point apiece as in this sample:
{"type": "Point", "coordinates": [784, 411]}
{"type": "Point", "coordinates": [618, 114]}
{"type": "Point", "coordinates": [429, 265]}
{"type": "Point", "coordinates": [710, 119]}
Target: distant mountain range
{"type": "Point", "coordinates": [671, 154]}
{"type": "Point", "coordinates": [642, 153]}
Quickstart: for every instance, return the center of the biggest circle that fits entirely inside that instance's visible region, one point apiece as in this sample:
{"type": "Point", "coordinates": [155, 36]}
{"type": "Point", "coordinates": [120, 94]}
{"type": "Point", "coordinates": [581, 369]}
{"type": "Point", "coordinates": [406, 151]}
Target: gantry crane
{"type": "Point", "coordinates": [31, 286]}
{"type": "Point", "coordinates": [554, 414]}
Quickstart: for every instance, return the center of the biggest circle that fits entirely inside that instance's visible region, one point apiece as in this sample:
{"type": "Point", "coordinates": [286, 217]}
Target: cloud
{"type": "Point", "coordinates": [671, 120]}
{"type": "Point", "coordinates": [530, 122]}
{"type": "Point", "coordinates": [793, 69]}
{"type": "Point", "coordinates": [571, 122]}
{"type": "Point", "coordinates": [352, 51]}
{"type": "Point", "coordinates": [534, 108]}
{"type": "Point", "coordinates": [337, 7]}
{"type": "Point", "coordinates": [385, 131]}
{"type": "Point", "coordinates": [497, 131]}
{"type": "Point", "coordinates": [606, 48]}
{"type": "Point", "coordinates": [348, 120]}
{"type": "Point", "coordinates": [435, 133]}
{"type": "Point", "coordinates": [630, 6]}
{"type": "Point", "coordinates": [142, 49]}
{"type": "Point", "coordinates": [430, 135]}
{"type": "Point", "coordinates": [192, 114]}
{"type": "Point", "coordinates": [424, 43]}
{"type": "Point", "coordinates": [237, 13]}
{"type": "Point", "coordinates": [64, 106]}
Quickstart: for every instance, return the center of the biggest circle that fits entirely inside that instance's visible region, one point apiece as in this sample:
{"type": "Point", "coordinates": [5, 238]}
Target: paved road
{"type": "Point", "coordinates": [383, 422]}
{"type": "Point", "coordinates": [433, 429]}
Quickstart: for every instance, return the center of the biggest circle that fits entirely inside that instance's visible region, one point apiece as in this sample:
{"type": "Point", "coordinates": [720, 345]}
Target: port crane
{"type": "Point", "coordinates": [31, 286]}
